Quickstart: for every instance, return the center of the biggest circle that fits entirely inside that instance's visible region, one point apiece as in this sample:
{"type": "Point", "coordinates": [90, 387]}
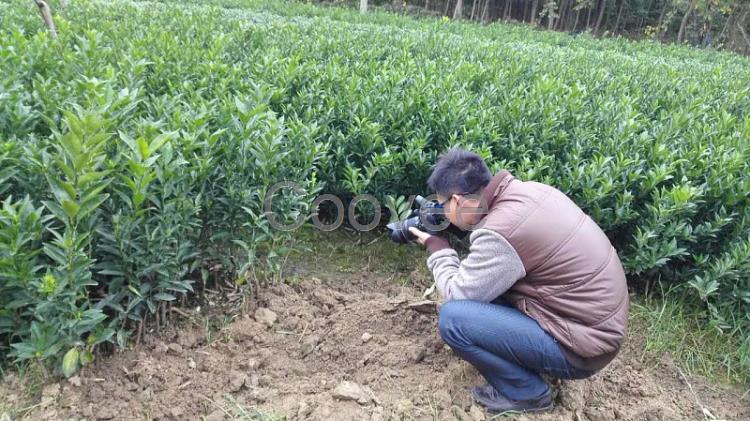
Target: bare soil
{"type": "Point", "coordinates": [347, 349]}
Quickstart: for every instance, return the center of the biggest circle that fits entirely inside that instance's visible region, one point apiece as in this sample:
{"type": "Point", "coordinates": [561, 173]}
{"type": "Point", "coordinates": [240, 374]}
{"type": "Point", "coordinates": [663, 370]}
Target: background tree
{"type": "Point", "coordinates": [46, 14]}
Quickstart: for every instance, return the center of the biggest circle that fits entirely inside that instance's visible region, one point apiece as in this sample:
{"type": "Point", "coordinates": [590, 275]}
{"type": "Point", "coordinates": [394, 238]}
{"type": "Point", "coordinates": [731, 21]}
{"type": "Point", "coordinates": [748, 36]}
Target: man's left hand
{"type": "Point", "coordinates": [421, 235]}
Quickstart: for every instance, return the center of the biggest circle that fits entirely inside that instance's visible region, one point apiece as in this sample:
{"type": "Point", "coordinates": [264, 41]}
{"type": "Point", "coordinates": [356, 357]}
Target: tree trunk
{"type": "Point", "coordinates": [458, 12]}
{"type": "Point", "coordinates": [588, 18]}
{"type": "Point", "coordinates": [508, 10]}
{"type": "Point", "coordinates": [575, 23]}
{"type": "Point", "coordinates": [534, 10]}
{"type": "Point", "coordinates": [662, 25]}
{"type": "Point", "coordinates": [726, 25]}
{"type": "Point", "coordinates": [563, 14]}
{"type": "Point", "coordinates": [46, 14]}
{"type": "Point", "coordinates": [740, 23]}
{"type": "Point", "coordinates": [427, 5]}
{"type": "Point", "coordinates": [447, 7]}
{"type": "Point", "coordinates": [619, 17]}
{"type": "Point", "coordinates": [600, 19]}
{"type": "Point", "coordinates": [473, 9]}
{"type": "Point", "coordinates": [362, 6]}
{"type": "Point", "coordinates": [685, 19]}
{"type": "Point", "coordinates": [526, 11]}
{"type": "Point", "coordinates": [485, 11]}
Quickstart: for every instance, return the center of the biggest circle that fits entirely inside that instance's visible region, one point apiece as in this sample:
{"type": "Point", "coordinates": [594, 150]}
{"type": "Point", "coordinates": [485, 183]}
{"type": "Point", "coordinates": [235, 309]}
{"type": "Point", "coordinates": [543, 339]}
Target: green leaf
{"type": "Point", "coordinates": [87, 357]}
{"type": "Point", "coordinates": [71, 209]}
{"type": "Point", "coordinates": [163, 296]}
{"type": "Point", "coordinates": [70, 362]}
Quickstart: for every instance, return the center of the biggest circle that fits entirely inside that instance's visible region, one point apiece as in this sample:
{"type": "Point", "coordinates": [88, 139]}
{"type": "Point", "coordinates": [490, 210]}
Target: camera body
{"type": "Point", "coordinates": [429, 217]}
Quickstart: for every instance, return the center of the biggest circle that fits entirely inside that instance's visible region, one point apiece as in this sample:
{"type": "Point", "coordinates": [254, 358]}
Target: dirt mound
{"type": "Point", "coordinates": [349, 351]}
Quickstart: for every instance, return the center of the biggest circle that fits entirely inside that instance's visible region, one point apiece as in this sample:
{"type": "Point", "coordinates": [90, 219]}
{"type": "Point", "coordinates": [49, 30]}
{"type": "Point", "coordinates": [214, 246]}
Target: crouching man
{"type": "Point", "coordinates": [542, 290]}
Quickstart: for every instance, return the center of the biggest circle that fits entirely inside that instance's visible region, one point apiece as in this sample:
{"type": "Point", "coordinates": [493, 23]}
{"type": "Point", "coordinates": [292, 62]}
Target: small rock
{"type": "Point", "coordinates": [265, 316]}
{"type": "Point", "coordinates": [217, 415]}
{"type": "Point", "coordinates": [264, 380]}
{"type": "Point", "coordinates": [252, 381]}
{"type": "Point", "coordinates": [176, 412]}
{"type": "Point", "coordinates": [366, 337]}
{"type": "Point", "coordinates": [174, 348]}
{"type": "Point", "coordinates": [254, 363]}
{"type": "Point", "coordinates": [191, 363]}
{"type": "Point", "coordinates": [459, 414]}
{"type": "Point", "coordinates": [310, 343]}
{"type": "Point", "coordinates": [237, 381]}
{"type": "Point", "coordinates": [304, 411]}
{"type": "Point", "coordinates": [262, 395]}
{"type": "Point", "coordinates": [350, 391]}
{"type": "Point", "coordinates": [417, 354]}
{"type": "Point", "coordinates": [426, 306]}
{"type": "Point", "coordinates": [476, 413]}
{"type": "Point", "coordinates": [75, 381]}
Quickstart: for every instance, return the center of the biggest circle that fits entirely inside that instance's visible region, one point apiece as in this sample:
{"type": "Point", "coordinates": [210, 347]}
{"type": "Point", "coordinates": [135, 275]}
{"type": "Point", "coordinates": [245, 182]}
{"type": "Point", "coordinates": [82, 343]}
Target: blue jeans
{"type": "Point", "coordinates": [508, 348]}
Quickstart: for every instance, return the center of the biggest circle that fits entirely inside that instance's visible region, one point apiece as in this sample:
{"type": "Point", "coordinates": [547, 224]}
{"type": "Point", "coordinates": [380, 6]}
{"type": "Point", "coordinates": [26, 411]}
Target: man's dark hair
{"type": "Point", "coordinates": [459, 171]}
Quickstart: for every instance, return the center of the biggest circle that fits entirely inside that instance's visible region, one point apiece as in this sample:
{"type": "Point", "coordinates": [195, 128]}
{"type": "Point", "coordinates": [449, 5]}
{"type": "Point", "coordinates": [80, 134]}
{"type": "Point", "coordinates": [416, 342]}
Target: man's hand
{"type": "Point", "coordinates": [421, 235]}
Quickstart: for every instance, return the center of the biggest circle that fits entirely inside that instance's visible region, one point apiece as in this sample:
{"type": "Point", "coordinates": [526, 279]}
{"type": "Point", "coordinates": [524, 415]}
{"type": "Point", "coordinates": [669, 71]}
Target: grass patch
{"type": "Point", "coordinates": [668, 324]}
{"type": "Point", "coordinates": [350, 252]}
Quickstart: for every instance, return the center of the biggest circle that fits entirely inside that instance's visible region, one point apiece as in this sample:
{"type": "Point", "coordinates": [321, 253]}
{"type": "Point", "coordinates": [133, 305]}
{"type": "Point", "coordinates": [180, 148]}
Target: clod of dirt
{"type": "Point", "coordinates": [426, 306]}
{"type": "Point", "coordinates": [252, 364]}
{"type": "Point", "coordinates": [417, 354]}
{"type": "Point", "coordinates": [310, 343]}
{"type": "Point", "coordinates": [400, 299]}
{"type": "Point", "coordinates": [75, 381]}
{"type": "Point", "coordinates": [304, 410]}
{"type": "Point", "coordinates": [237, 381]}
{"type": "Point", "coordinates": [350, 391]}
{"type": "Point", "coordinates": [175, 349]}
{"type": "Point", "coordinates": [192, 364]}
{"type": "Point", "coordinates": [266, 316]}
{"type": "Point", "coordinates": [366, 337]}
{"type": "Point", "coordinates": [50, 393]}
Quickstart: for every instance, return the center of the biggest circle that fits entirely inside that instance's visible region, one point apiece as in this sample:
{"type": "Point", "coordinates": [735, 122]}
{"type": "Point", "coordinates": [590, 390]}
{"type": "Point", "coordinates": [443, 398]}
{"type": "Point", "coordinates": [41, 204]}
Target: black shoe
{"type": "Point", "coordinates": [491, 399]}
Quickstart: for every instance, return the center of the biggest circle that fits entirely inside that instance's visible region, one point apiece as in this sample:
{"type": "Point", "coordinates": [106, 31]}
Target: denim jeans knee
{"type": "Point", "coordinates": [449, 322]}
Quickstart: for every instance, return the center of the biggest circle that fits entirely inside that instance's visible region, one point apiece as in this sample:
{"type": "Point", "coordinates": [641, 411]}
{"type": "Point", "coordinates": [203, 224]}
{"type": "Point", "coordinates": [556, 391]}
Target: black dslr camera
{"type": "Point", "coordinates": [430, 218]}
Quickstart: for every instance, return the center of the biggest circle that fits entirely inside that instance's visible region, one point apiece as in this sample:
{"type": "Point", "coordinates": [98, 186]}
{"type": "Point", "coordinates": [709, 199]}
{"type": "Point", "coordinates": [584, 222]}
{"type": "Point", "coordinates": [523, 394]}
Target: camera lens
{"type": "Point", "coordinates": [399, 230]}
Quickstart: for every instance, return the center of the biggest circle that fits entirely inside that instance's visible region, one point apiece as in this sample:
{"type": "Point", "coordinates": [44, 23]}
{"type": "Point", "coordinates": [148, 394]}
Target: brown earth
{"type": "Point", "coordinates": [347, 350]}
